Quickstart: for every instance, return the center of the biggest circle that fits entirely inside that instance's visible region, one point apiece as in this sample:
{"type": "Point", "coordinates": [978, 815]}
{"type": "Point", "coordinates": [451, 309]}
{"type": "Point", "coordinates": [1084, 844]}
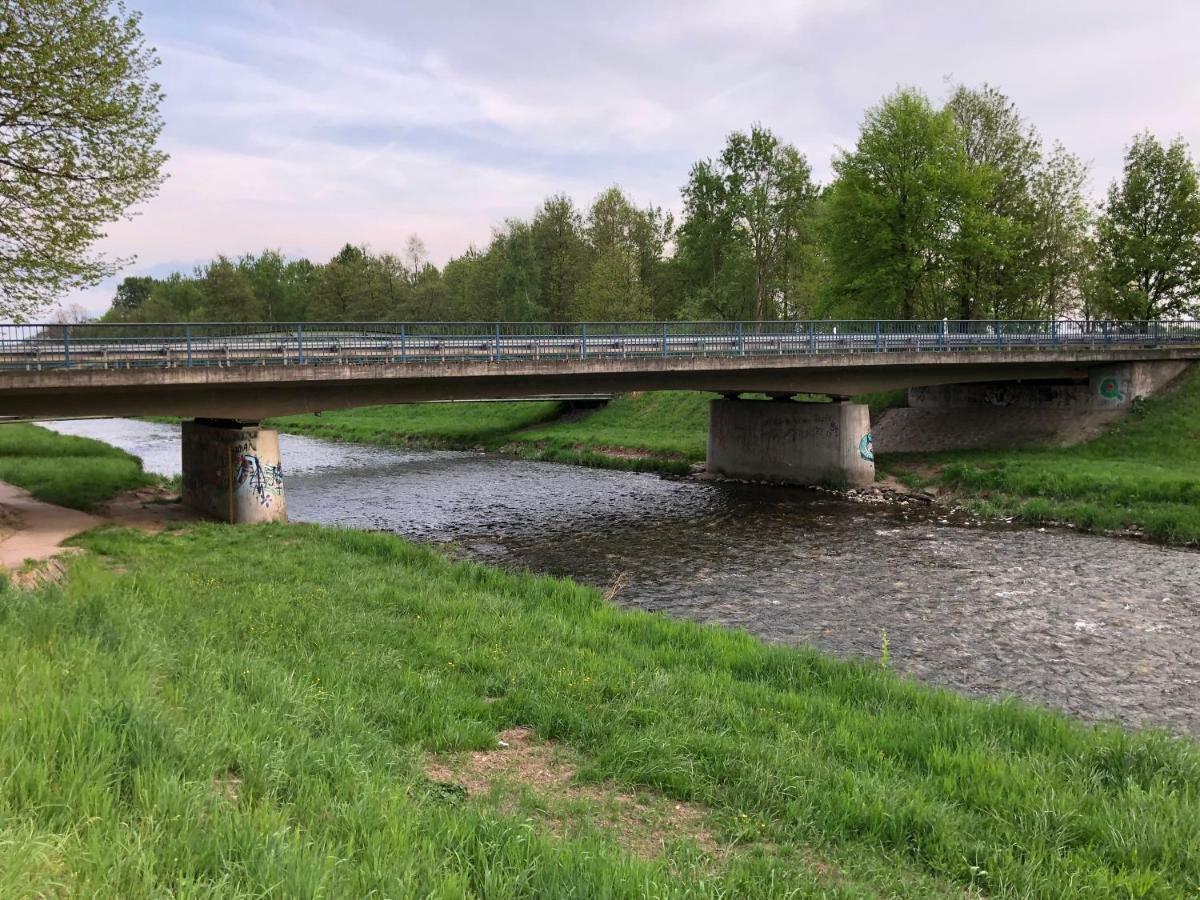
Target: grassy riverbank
{"type": "Point", "coordinates": [69, 471]}
{"type": "Point", "coordinates": [1144, 474]}
{"type": "Point", "coordinates": [664, 432]}
{"type": "Point", "coordinates": [292, 711]}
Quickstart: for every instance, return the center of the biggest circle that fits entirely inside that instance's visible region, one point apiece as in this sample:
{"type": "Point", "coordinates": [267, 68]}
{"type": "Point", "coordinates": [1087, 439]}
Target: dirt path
{"type": "Point", "coordinates": [31, 529]}
{"type": "Point", "coordinates": [36, 530]}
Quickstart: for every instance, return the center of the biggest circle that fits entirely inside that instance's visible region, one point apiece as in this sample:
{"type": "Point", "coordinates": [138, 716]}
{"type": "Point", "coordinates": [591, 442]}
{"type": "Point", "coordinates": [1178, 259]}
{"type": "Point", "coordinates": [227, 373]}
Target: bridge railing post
{"type": "Point", "coordinates": [664, 340]}
{"type": "Point", "coordinates": [67, 346]}
{"type": "Point", "coordinates": [187, 339]}
{"type": "Point", "coordinates": [403, 343]}
{"type": "Point", "coordinates": [300, 343]}
{"type": "Point", "coordinates": [496, 347]}
{"type": "Point", "coordinates": [812, 337]}
{"type": "Point", "coordinates": [583, 341]}
{"type": "Point", "coordinates": [741, 338]}
{"type": "Point", "coordinates": [1106, 334]}
{"type": "Point", "coordinates": [878, 336]}
{"type": "Point", "coordinates": [999, 334]}
{"type": "Point", "coordinates": [1054, 332]}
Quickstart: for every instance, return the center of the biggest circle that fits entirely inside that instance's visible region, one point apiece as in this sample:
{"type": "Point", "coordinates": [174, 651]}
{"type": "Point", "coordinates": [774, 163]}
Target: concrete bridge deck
{"type": "Point", "coordinates": [228, 378]}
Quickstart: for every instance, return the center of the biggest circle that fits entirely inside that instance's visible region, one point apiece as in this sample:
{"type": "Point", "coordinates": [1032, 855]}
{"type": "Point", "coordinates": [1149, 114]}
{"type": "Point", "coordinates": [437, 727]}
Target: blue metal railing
{"type": "Point", "coordinates": [165, 345]}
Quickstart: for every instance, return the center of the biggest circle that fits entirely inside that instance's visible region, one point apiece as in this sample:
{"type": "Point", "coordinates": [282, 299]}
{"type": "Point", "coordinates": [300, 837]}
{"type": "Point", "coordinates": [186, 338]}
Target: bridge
{"type": "Point", "coordinates": [227, 377]}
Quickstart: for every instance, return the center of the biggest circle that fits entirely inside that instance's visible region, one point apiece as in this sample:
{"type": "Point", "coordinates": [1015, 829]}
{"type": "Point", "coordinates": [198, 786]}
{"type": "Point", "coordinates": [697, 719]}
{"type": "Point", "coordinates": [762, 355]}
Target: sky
{"type": "Point", "coordinates": [301, 125]}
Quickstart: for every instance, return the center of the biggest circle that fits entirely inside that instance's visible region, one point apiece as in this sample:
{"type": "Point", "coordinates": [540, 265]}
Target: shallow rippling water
{"type": "Point", "coordinates": [1100, 627]}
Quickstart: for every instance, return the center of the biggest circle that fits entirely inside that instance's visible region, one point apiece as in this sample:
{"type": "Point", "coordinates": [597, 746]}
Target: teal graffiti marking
{"type": "Point", "coordinates": [1110, 389]}
{"type": "Point", "coordinates": [866, 445]}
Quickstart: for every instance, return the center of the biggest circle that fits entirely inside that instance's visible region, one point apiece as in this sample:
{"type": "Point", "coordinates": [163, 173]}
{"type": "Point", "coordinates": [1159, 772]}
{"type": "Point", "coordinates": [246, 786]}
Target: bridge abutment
{"type": "Point", "coordinates": [232, 471]}
{"type": "Point", "coordinates": [795, 443]}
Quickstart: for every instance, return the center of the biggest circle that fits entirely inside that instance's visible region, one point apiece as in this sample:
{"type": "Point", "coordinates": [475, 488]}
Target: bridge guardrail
{"type": "Point", "coordinates": [34, 347]}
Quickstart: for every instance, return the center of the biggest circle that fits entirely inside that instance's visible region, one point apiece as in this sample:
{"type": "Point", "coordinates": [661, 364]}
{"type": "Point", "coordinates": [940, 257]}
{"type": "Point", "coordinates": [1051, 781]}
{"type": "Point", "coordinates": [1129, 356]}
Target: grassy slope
{"type": "Point", "coordinates": [440, 424]}
{"type": "Point", "coordinates": [667, 429]}
{"type": "Point", "coordinates": [69, 471]}
{"type": "Point", "coordinates": [311, 666]}
{"type": "Point", "coordinates": [1144, 473]}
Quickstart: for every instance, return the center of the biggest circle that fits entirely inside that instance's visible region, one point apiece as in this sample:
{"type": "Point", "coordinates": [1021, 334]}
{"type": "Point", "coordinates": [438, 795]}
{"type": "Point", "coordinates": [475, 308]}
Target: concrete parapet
{"type": "Point", "coordinates": [797, 443]}
{"type": "Point", "coordinates": [232, 471]}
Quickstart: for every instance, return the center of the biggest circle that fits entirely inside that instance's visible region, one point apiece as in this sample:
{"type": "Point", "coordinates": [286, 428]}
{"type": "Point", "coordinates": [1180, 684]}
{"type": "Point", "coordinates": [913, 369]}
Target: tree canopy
{"type": "Point", "coordinates": [79, 122]}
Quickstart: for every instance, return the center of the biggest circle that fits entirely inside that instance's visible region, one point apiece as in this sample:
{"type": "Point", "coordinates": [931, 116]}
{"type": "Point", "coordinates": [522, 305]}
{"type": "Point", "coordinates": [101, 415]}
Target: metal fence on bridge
{"type": "Point", "coordinates": [107, 346]}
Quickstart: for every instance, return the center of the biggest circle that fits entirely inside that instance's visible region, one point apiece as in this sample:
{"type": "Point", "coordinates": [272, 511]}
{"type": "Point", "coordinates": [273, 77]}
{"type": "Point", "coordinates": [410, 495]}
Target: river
{"type": "Point", "coordinates": [1103, 628]}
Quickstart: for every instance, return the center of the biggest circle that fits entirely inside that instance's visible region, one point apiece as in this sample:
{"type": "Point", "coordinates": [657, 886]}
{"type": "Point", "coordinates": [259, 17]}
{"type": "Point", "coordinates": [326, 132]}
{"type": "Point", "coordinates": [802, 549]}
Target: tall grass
{"type": "Point", "coordinates": [242, 712]}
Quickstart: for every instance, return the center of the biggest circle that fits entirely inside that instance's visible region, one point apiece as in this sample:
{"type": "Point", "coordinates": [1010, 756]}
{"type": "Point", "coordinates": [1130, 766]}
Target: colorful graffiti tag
{"type": "Point", "coordinates": [264, 481]}
{"type": "Point", "coordinates": [866, 447]}
{"type": "Point", "coordinates": [1110, 388]}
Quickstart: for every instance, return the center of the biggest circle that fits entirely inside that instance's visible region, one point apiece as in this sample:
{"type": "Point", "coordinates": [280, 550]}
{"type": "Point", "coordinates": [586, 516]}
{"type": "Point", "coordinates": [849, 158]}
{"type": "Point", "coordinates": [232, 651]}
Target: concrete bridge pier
{"type": "Point", "coordinates": [232, 471]}
{"type": "Point", "coordinates": [795, 443]}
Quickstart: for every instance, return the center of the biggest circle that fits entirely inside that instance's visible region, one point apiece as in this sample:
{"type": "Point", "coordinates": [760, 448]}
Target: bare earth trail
{"type": "Point", "coordinates": [31, 529]}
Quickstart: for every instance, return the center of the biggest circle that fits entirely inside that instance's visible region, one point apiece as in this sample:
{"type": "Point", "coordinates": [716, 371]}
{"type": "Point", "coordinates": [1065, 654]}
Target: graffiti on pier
{"type": "Point", "coordinates": [1110, 388]}
{"type": "Point", "coordinates": [866, 447]}
{"type": "Point", "coordinates": [264, 481]}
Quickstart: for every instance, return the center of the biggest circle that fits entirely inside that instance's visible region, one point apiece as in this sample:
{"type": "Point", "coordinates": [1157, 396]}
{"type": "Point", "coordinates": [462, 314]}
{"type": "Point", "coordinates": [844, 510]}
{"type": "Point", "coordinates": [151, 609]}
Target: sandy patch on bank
{"type": "Point", "coordinates": [34, 530]}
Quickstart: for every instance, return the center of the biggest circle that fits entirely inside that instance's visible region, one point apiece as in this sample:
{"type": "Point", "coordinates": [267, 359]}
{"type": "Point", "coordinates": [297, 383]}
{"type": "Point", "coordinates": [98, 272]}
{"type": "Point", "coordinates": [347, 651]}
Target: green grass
{"type": "Point", "coordinates": [69, 471]}
{"type": "Point", "coordinates": [431, 424]}
{"type": "Point", "coordinates": [313, 666]}
{"type": "Point", "coordinates": [1143, 474]}
{"type": "Point", "coordinates": [666, 424]}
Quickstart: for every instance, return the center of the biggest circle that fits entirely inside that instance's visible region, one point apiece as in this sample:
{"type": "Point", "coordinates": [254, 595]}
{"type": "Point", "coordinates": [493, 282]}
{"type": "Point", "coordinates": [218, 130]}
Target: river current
{"type": "Point", "coordinates": [1103, 628]}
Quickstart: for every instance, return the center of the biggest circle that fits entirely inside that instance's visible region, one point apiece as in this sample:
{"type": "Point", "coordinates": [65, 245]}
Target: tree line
{"type": "Point", "coordinates": [955, 211]}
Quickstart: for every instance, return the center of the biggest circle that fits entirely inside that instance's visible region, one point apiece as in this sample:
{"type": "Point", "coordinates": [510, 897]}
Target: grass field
{"type": "Point", "coordinates": [69, 471]}
{"type": "Point", "coordinates": [293, 711]}
{"type": "Point", "coordinates": [1143, 474]}
{"type": "Point", "coordinates": [247, 712]}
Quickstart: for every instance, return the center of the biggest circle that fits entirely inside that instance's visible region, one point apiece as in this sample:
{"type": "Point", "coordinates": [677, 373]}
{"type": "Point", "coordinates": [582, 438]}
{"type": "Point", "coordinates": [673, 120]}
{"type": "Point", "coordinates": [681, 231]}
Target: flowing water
{"type": "Point", "coordinates": [1100, 627]}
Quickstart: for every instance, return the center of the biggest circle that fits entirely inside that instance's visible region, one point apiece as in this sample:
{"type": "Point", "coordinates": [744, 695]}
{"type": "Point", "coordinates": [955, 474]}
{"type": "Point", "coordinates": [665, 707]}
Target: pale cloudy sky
{"type": "Point", "coordinates": [302, 124]}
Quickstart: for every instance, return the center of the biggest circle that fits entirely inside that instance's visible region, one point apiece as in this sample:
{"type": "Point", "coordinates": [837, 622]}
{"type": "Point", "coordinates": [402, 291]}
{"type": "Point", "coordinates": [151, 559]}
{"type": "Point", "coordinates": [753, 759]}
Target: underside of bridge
{"type": "Point", "coordinates": [233, 472]}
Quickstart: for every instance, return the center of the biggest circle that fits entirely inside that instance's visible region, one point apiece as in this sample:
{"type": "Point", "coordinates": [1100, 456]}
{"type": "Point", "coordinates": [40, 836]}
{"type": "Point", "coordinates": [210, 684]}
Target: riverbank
{"type": "Point", "coordinates": [1141, 477]}
{"type": "Point", "coordinates": [301, 709]}
{"type": "Point", "coordinates": [663, 432]}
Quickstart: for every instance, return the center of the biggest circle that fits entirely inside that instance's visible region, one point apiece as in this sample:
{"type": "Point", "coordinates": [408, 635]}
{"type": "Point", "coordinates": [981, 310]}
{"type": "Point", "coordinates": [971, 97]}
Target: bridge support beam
{"type": "Point", "coordinates": [232, 471]}
{"type": "Point", "coordinates": [796, 443]}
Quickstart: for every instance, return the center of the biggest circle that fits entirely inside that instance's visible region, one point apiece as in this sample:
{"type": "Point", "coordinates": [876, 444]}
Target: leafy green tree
{"type": "Point", "coordinates": [1149, 233]}
{"type": "Point", "coordinates": [889, 223]}
{"type": "Point", "coordinates": [79, 122]}
{"type": "Point", "coordinates": [1059, 252]}
{"type": "Point", "coordinates": [561, 254]}
{"type": "Point", "coordinates": [613, 291]}
{"type": "Point", "coordinates": [987, 266]}
{"type": "Point", "coordinates": [132, 293]}
{"type": "Point", "coordinates": [747, 226]}
{"type": "Point", "coordinates": [228, 294]}
{"type": "Point", "coordinates": [515, 259]}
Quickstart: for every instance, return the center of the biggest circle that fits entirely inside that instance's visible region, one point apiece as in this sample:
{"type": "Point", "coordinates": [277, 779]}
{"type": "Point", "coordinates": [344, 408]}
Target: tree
{"type": "Point", "coordinates": [747, 220]}
{"type": "Point", "coordinates": [1149, 233]}
{"type": "Point", "coordinates": [78, 125]}
{"type": "Point", "coordinates": [987, 264]}
{"type": "Point", "coordinates": [1059, 252]}
{"type": "Point", "coordinates": [132, 293]}
{"type": "Point", "coordinates": [228, 296]}
{"type": "Point", "coordinates": [891, 209]}
{"type": "Point", "coordinates": [561, 254]}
